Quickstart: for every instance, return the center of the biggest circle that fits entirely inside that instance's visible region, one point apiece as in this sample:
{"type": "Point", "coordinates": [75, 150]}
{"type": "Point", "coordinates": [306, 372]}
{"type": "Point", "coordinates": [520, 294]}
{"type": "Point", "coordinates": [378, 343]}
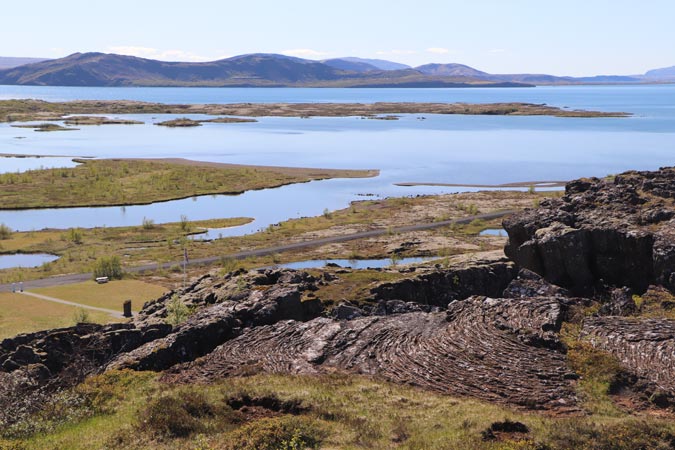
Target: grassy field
{"type": "Point", "coordinates": [133, 410]}
{"type": "Point", "coordinates": [23, 314]}
{"type": "Point", "coordinates": [110, 295]}
{"type": "Point", "coordinates": [133, 182]}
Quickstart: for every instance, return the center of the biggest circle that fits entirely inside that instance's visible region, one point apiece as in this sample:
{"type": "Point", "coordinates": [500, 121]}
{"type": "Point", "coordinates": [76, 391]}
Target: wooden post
{"type": "Point", "coordinates": [127, 308]}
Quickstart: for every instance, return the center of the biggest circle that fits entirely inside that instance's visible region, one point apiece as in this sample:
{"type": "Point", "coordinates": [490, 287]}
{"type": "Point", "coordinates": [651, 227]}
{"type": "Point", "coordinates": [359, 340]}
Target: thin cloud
{"type": "Point", "coordinates": [303, 53]}
{"type": "Point", "coordinates": [154, 53]}
{"type": "Point", "coordinates": [497, 50]}
{"type": "Point", "coordinates": [395, 52]}
{"type": "Point", "coordinates": [438, 50]}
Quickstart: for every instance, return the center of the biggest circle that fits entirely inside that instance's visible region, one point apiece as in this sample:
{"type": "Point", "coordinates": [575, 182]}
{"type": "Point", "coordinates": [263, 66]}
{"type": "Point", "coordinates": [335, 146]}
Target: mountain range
{"type": "Point", "coordinates": [272, 70]}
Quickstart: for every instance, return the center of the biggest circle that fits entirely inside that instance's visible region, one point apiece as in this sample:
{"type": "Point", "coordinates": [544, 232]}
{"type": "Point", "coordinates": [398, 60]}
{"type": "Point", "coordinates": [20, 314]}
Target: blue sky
{"type": "Point", "coordinates": [562, 38]}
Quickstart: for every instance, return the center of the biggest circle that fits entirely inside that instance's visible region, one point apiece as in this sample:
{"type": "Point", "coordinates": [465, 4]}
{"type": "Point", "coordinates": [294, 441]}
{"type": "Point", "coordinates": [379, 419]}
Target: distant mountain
{"type": "Point", "coordinates": [100, 69]}
{"type": "Point", "coordinates": [608, 79]}
{"type": "Point", "coordinates": [8, 62]}
{"type": "Point", "coordinates": [352, 66]}
{"type": "Point", "coordinates": [665, 74]}
{"type": "Point", "coordinates": [380, 64]}
{"type": "Point", "coordinates": [450, 70]}
{"type": "Point", "coordinates": [269, 70]}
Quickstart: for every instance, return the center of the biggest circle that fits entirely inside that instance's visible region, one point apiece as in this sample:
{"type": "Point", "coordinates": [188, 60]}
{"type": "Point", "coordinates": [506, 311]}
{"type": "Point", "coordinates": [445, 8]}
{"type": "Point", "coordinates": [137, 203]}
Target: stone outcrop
{"type": "Point", "coordinates": [255, 299]}
{"type": "Point", "coordinates": [646, 347]}
{"type": "Point", "coordinates": [480, 347]}
{"type": "Point", "coordinates": [441, 286]}
{"type": "Point", "coordinates": [34, 366]}
{"type": "Point", "coordinates": [84, 345]}
{"type": "Point", "coordinates": [238, 286]}
{"type": "Point", "coordinates": [618, 231]}
{"type": "Point", "coordinates": [529, 284]}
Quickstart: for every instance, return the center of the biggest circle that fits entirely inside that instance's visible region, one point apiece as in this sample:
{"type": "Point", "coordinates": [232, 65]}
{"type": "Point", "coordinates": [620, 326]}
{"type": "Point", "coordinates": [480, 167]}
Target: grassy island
{"type": "Point", "coordinates": [111, 182]}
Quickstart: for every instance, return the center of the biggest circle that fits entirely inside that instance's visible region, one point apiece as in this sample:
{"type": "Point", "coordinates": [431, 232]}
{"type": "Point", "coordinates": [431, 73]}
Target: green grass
{"type": "Point", "coordinates": [110, 295]}
{"type": "Point", "coordinates": [134, 182]}
{"type": "Point", "coordinates": [23, 314]}
{"type": "Point", "coordinates": [130, 410]}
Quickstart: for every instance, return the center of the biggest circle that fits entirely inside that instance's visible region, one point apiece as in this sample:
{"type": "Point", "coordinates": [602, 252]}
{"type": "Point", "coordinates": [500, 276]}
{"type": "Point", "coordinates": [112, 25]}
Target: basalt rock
{"type": "Point", "coordinates": [529, 284]}
{"type": "Point", "coordinates": [88, 344]}
{"type": "Point", "coordinates": [254, 299]}
{"type": "Point", "coordinates": [34, 366]}
{"type": "Point", "coordinates": [646, 347]}
{"type": "Point", "coordinates": [438, 286]}
{"type": "Point", "coordinates": [481, 347]}
{"type": "Point", "coordinates": [238, 286]}
{"type": "Point", "coordinates": [621, 303]}
{"type": "Point", "coordinates": [618, 231]}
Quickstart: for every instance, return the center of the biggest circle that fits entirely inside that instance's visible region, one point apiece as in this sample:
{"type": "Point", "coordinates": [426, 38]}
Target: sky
{"type": "Point", "coordinates": [574, 37]}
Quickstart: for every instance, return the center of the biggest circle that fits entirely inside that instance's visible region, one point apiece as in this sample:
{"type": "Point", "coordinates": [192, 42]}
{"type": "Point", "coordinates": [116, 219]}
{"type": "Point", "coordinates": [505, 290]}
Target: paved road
{"type": "Point", "coordinates": [80, 277]}
{"type": "Point", "coordinates": [65, 302]}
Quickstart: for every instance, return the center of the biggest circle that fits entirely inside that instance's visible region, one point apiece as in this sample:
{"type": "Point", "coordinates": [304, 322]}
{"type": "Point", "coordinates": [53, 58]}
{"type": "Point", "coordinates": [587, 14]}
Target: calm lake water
{"type": "Point", "coordinates": [32, 260]}
{"type": "Point", "coordinates": [446, 149]}
{"type": "Point", "coordinates": [493, 232]}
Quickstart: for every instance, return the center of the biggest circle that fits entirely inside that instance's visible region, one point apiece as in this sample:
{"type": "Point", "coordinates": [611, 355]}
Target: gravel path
{"type": "Point", "coordinates": [65, 302]}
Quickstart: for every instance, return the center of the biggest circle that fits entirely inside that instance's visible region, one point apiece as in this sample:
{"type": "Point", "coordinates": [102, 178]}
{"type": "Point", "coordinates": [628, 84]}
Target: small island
{"type": "Point", "coordinates": [183, 122]}
{"type": "Point", "coordinates": [45, 127]}
{"type": "Point", "coordinates": [99, 120]}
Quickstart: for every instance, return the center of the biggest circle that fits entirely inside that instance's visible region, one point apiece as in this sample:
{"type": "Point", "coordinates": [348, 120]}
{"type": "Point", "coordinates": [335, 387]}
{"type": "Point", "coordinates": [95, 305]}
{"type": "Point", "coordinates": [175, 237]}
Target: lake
{"type": "Point", "coordinates": [25, 260]}
{"type": "Point", "coordinates": [445, 149]}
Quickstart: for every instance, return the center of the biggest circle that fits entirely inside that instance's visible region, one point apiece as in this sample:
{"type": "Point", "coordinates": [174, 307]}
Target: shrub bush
{"type": "Point", "coordinates": [632, 434]}
{"type": "Point", "coordinates": [166, 416]}
{"type": "Point", "coordinates": [185, 413]}
{"type": "Point", "coordinates": [285, 432]}
{"type": "Point", "coordinates": [5, 231]}
{"type": "Point", "coordinates": [108, 266]}
{"type": "Point", "coordinates": [177, 311]}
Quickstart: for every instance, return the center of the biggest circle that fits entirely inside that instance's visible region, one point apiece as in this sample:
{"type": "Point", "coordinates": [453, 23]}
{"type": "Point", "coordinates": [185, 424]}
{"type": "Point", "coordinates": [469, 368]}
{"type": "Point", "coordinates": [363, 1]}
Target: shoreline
{"type": "Point", "coordinates": [20, 155]}
{"type": "Point", "coordinates": [516, 184]}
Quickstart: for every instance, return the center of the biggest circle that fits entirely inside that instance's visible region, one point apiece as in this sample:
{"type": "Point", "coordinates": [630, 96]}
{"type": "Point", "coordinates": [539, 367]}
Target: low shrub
{"type": "Point", "coordinates": [581, 434]}
{"type": "Point", "coordinates": [108, 266]}
{"type": "Point", "coordinates": [5, 232]}
{"type": "Point", "coordinates": [277, 433]}
{"type": "Point", "coordinates": [184, 413]}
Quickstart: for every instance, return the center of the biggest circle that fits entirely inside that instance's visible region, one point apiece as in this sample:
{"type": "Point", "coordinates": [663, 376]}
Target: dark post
{"type": "Point", "coordinates": [127, 308]}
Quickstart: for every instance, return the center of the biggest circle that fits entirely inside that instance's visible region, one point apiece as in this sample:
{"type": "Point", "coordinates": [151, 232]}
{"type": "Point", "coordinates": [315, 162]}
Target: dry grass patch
{"type": "Point", "coordinates": [23, 314]}
{"type": "Point", "coordinates": [110, 295]}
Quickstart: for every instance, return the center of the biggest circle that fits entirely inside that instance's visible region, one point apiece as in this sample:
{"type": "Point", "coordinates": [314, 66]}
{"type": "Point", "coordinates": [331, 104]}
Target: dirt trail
{"type": "Point", "coordinates": [65, 302]}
